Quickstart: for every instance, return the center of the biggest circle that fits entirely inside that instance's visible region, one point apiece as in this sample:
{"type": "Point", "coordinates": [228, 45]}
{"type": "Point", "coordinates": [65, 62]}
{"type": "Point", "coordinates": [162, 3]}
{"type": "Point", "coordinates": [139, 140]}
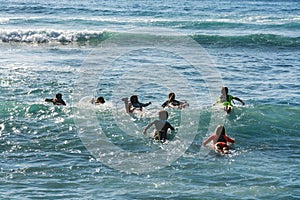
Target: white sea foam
{"type": "Point", "coordinates": [47, 36]}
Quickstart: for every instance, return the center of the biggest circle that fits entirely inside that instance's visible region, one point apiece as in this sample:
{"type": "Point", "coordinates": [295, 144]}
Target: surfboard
{"type": "Point", "coordinates": [218, 152]}
{"type": "Point", "coordinates": [178, 107]}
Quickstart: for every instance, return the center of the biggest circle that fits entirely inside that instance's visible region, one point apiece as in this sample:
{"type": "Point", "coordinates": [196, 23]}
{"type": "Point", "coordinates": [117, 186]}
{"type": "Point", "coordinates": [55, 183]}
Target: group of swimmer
{"type": "Point", "coordinates": [219, 138]}
{"type": "Point", "coordinates": [135, 104]}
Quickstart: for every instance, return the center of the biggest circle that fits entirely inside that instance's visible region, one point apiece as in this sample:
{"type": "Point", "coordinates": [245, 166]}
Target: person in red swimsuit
{"type": "Point", "coordinates": [219, 140]}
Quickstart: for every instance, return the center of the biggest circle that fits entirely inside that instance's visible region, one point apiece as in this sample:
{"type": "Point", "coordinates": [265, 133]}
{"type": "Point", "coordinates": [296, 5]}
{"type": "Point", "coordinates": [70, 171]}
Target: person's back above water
{"type": "Point", "coordinates": [219, 140]}
{"type": "Point", "coordinates": [134, 104]}
{"type": "Point", "coordinates": [173, 103]}
{"type": "Point", "coordinates": [161, 126]}
{"type": "Point", "coordinates": [57, 100]}
{"type": "Point", "coordinates": [99, 101]}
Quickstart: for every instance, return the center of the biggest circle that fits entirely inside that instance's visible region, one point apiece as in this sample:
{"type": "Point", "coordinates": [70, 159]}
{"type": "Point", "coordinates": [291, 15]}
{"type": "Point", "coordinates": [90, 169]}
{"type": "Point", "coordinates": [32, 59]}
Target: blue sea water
{"type": "Point", "coordinates": [84, 49]}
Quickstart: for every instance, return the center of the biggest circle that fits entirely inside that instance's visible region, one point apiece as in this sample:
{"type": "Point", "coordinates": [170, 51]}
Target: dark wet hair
{"type": "Point", "coordinates": [224, 94]}
{"type": "Point", "coordinates": [171, 96]}
{"type": "Point", "coordinates": [134, 99]}
{"type": "Point", "coordinates": [220, 129]}
{"type": "Point", "coordinates": [58, 96]}
{"type": "Point", "coordinates": [224, 90]}
{"type": "Point", "coordinates": [100, 100]}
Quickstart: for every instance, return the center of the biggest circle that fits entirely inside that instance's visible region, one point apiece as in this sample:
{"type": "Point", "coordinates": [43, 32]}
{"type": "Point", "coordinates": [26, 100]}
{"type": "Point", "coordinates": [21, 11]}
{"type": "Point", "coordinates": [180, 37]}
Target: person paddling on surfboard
{"type": "Point", "coordinates": [100, 100]}
{"type": "Point", "coordinates": [219, 140]}
{"type": "Point", "coordinates": [161, 126]}
{"type": "Point", "coordinates": [134, 104]}
{"type": "Point", "coordinates": [173, 103]}
{"type": "Point", "coordinates": [225, 99]}
{"type": "Point", "coordinates": [57, 100]}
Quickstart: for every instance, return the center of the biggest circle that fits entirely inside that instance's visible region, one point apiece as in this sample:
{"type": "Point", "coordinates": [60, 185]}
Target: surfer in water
{"type": "Point", "coordinates": [100, 100]}
{"type": "Point", "coordinates": [161, 126]}
{"type": "Point", "coordinates": [219, 140]}
{"type": "Point", "coordinates": [134, 104]}
{"type": "Point", "coordinates": [225, 99]}
{"type": "Point", "coordinates": [57, 100]}
{"type": "Point", "coordinates": [173, 103]}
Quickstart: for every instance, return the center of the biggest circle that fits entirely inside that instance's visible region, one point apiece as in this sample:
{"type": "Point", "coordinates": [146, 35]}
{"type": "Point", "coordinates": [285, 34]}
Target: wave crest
{"type": "Point", "coordinates": [62, 37]}
{"type": "Point", "coordinates": [95, 38]}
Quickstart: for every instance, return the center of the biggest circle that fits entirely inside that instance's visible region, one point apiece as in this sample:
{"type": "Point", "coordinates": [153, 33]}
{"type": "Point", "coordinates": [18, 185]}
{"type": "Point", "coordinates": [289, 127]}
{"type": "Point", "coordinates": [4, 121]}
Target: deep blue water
{"type": "Point", "coordinates": [148, 48]}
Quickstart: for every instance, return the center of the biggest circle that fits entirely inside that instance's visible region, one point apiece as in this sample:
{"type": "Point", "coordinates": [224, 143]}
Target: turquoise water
{"type": "Point", "coordinates": [118, 48]}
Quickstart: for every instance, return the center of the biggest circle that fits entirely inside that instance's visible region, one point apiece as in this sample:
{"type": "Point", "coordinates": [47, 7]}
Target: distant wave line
{"type": "Point", "coordinates": [255, 20]}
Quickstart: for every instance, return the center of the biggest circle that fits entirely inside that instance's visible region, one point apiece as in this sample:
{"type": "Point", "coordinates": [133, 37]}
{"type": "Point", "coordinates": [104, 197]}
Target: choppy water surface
{"type": "Point", "coordinates": [50, 47]}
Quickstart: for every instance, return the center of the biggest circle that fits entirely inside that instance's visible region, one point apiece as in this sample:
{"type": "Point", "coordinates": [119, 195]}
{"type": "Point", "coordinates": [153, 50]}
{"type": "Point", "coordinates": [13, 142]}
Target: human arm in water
{"type": "Point", "coordinates": [170, 126]}
{"type": "Point", "coordinates": [165, 104]}
{"type": "Point", "coordinates": [208, 140]}
{"type": "Point", "coordinates": [143, 104]}
{"type": "Point", "coordinates": [49, 100]}
{"type": "Point", "coordinates": [127, 105]}
{"type": "Point", "coordinates": [215, 138]}
{"type": "Point", "coordinates": [148, 126]}
{"type": "Point", "coordinates": [175, 104]}
{"type": "Point", "coordinates": [238, 99]}
{"type": "Point", "coordinates": [159, 126]}
{"type": "Point", "coordinates": [55, 101]}
{"type": "Point", "coordinates": [228, 139]}
{"type": "Point", "coordinates": [138, 105]}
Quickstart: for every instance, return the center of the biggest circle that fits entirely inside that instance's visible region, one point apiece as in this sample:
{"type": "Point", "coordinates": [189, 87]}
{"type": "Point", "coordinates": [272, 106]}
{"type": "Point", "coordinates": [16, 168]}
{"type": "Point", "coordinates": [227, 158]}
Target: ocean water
{"type": "Point", "coordinates": [85, 49]}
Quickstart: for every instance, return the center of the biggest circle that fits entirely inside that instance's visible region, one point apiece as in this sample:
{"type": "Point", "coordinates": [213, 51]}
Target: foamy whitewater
{"type": "Point", "coordinates": [114, 49]}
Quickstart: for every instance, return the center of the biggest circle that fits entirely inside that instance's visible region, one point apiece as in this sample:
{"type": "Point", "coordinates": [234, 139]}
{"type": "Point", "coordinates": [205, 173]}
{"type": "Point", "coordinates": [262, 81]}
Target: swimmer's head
{"type": "Point", "coordinates": [100, 100]}
{"type": "Point", "coordinates": [58, 96]}
{"type": "Point", "coordinates": [220, 130]}
{"type": "Point", "coordinates": [134, 99]}
{"type": "Point", "coordinates": [171, 96]}
{"type": "Point", "coordinates": [224, 90]}
{"type": "Point", "coordinates": [163, 115]}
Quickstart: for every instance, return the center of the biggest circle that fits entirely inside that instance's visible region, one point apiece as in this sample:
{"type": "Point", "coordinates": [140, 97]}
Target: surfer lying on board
{"type": "Point", "coordinates": [219, 140]}
{"type": "Point", "coordinates": [100, 100]}
{"type": "Point", "coordinates": [57, 100]}
{"type": "Point", "coordinates": [134, 104]}
{"type": "Point", "coordinates": [225, 99]}
{"type": "Point", "coordinates": [173, 103]}
{"type": "Point", "coordinates": [161, 126]}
